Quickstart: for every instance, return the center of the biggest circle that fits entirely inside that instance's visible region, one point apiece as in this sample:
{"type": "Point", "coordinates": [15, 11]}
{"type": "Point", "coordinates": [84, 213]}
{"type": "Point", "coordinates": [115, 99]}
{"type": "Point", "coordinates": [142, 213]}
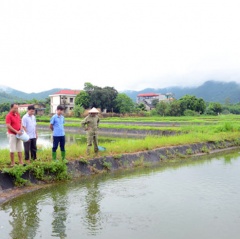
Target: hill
{"type": "Point", "coordinates": [8, 94]}
{"type": "Point", "coordinates": [210, 91]}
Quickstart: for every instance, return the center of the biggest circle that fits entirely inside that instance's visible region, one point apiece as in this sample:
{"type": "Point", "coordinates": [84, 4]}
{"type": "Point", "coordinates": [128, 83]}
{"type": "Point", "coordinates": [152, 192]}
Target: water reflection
{"type": "Point", "coordinates": [195, 197]}
{"type": "Point", "coordinates": [59, 215]}
{"type": "Point", "coordinates": [24, 219]}
{"type": "Point", "coordinates": [93, 215]}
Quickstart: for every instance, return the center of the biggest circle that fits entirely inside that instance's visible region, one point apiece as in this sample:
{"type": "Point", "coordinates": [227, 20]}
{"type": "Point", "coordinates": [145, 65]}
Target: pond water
{"type": "Point", "coordinates": [45, 139]}
{"type": "Point", "coordinates": [188, 199]}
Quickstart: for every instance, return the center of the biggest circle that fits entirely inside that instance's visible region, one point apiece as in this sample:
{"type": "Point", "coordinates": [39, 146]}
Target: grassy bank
{"type": "Point", "coordinates": [196, 134]}
{"type": "Point", "coordinates": [194, 119]}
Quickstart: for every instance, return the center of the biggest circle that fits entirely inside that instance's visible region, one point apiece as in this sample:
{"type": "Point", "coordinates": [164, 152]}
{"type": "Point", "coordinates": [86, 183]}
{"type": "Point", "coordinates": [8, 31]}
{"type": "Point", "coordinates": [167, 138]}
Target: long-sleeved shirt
{"type": "Point", "coordinates": [91, 123]}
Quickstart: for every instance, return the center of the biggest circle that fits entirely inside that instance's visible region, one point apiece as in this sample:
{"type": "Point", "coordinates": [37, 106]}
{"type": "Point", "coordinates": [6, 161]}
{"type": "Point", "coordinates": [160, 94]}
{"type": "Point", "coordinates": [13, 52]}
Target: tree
{"type": "Point", "coordinates": [214, 108]}
{"type": "Point", "coordinates": [88, 87]}
{"type": "Point", "coordinates": [191, 102]}
{"type": "Point", "coordinates": [47, 103]}
{"type": "Point", "coordinates": [174, 108]}
{"type": "Point", "coordinates": [109, 94]}
{"type": "Point", "coordinates": [101, 97]}
{"type": "Point", "coordinates": [155, 102]}
{"type": "Point", "coordinates": [78, 110]}
{"type": "Point", "coordinates": [161, 108]}
{"type": "Point", "coordinates": [141, 107]}
{"type": "Point", "coordinates": [95, 97]}
{"type": "Point", "coordinates": [124, 104]}
{"type": "Point", "coordinates": [4, 107]}
{"type": "Point", "coordinates": [82, 99]}
{"type": "Point", "coordinates": [200, 106]}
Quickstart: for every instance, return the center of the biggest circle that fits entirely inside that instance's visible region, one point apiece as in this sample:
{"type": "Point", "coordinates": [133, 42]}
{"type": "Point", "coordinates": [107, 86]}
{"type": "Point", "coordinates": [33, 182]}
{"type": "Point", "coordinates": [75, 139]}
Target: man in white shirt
{"type": "Point", "coordinates": [29, 125]}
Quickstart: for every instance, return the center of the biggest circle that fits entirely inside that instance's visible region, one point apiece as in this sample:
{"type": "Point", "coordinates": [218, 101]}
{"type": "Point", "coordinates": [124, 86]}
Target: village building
{"type": "Point", "coordinates": [66, 98]}
{"type": "Point", "coordinates": [147, 99]}
{"type": "Point", "coordinates": [39, 108]}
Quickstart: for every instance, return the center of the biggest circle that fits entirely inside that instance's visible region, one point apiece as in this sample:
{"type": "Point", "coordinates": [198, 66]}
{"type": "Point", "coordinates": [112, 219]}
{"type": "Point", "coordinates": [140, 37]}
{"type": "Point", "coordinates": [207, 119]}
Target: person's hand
{"type": "Point", "coordinates": [19, 132]}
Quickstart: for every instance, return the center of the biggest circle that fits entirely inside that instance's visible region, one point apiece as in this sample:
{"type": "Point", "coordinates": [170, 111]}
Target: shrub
{"type": "Point", "coordinates": [190, 113]}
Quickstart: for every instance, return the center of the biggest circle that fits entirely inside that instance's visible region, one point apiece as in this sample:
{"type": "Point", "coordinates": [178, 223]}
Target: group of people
{"type": "Point", "coordinates": [28, 125]}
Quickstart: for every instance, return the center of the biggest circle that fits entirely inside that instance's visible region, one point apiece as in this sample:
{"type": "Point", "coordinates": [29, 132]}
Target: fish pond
{"type": "Point", "coordinates": [180, 199]}
{"type": "Point", "coordinates": [45, 138]}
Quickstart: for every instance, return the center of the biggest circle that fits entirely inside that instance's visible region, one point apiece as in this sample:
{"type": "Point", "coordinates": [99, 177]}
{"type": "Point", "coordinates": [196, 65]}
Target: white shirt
{"type": "Point", "coordinates": [29, 122]}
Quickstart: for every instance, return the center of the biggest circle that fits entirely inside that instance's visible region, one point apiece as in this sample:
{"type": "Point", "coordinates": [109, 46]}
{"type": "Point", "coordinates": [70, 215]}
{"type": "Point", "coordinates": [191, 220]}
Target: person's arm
{"type": "Point", "coordinates": [51, 123]}
{"type": "Point", "coordinates": [8, 124]}
{"type": "Point", "coordinates": [23, 124]}
{"type": "Point", "coordinates": [51, 127]}
{"type": "Point", "coordinates": [98, 122]}
{"type": "Point", "coordinates": [36, 127]}
{"type": "Point", "coordinates": [13, 130]}
{"type": "Point", "coordinates": [84, 123]}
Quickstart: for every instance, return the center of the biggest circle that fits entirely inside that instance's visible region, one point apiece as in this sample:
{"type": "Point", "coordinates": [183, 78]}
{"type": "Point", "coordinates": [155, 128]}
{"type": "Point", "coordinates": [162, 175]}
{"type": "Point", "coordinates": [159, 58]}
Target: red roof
{"type": "Point", "coordinates": [67, 92]}
{"type": "Point", "coordinates": [148, 95]}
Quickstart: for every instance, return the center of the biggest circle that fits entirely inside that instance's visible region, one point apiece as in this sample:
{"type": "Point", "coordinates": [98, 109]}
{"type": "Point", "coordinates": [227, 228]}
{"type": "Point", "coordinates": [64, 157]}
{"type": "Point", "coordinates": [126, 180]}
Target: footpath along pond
{"type": "Point", "coordinates": [180, 199]}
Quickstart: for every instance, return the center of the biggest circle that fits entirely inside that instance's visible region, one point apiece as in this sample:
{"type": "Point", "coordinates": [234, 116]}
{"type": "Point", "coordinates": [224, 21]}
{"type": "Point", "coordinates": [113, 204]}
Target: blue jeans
{"type": "Point", "coordinates": [58, 140]}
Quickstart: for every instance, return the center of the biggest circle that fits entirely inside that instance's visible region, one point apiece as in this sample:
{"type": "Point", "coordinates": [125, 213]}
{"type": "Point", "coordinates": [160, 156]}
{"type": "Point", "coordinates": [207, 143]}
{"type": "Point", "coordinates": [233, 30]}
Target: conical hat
{"type": "Point", "coordinates": [93, 110]}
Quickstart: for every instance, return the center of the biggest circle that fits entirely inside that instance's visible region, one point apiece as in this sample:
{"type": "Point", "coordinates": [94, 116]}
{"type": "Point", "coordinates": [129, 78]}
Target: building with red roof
{"type": "Point", "coordinates": [66, 98]}
{"type": "Point", "coordinates": [147, 99]}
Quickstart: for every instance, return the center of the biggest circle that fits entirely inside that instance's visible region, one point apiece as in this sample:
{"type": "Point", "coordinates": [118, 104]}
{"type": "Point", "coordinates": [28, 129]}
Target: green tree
{"type": "Point", "coordinates": [82, 99]}
{"type": "Point", "coordinates": [200, 106]}
{"type": "Point", "coordinates": [88, 87]}
{"type": "Point", "coordinates": [161, 108]}
{"type": "Point", "coordinates": [109, 94]}
{"type": "Point", "coordinates": [191, 102]}
{"type": "Point", "coordinates": [214, 108]}
{"type": "Point", "coordinates": [174, 108]}
{"type": "Point", "coordinates": [78, 110]}
{"type": "Point", "coordinates": [46, 103]}
{"type": "Point", "coordinates": [124, 104]}
{"type": "Point", "coordinates": [4, 107]}
{"type": "Point", "coordinates": [140, 107]}
{"type": "Point", "coordinates": [155, 102]}
{"type": "Point", "coordinates": [101, 97]}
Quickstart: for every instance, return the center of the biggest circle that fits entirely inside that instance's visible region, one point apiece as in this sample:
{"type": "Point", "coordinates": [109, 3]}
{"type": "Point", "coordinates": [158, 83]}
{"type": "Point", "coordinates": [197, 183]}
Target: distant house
{"type": "Point", "coordinates": [23, 107]}
{"type": "Point", "coordinates": [66, 98]}
{"type": "Point", "coordinates": [147, 98]}
{"type": "Point", "coordinates": [39, 108]}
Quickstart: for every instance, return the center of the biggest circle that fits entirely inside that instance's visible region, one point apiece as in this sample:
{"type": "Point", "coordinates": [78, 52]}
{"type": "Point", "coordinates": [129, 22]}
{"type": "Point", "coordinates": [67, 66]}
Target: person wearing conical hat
{"type": "Point", "coordinates": [90, 124]}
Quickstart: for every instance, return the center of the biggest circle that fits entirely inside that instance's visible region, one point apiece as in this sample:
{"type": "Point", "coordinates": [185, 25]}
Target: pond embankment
{"type": "Point", "coordinates": [82, 167]}
{"type": "Point", "coordinates": [116, 131]}
{"type": "Point", "coordinates": [113, 131]}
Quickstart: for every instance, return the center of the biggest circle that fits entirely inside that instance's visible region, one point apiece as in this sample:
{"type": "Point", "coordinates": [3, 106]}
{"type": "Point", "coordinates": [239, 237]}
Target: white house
{"type": "Point", "coordinates": [66, 98]}
{"type": "Point", "coordinates": [147, 98]}
{"type": "Point", "coordinates": [23, 108]}
{"type": "Point", "coordinates": [39, 108]}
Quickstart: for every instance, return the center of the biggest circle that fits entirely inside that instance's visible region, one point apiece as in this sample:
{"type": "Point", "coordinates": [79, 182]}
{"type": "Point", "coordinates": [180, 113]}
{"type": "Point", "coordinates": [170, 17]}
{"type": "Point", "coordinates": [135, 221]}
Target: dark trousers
{"type": "Point", "coordinates": [30, 146]}
{"type": "Point", "coordinates": [58, 140]}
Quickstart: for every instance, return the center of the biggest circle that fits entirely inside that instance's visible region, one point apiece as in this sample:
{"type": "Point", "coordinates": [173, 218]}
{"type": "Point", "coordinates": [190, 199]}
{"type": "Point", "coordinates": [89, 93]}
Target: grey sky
{"type": "Point", "coordinates": [127, 44]}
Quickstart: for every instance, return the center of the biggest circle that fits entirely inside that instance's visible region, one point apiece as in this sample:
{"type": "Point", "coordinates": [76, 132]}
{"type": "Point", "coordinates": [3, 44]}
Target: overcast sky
{"type": "Point", "coordinates": [127, 44]}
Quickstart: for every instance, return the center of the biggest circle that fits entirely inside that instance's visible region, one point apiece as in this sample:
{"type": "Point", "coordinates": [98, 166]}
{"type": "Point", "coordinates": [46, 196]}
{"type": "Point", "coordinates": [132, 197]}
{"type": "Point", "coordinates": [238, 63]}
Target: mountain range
{"type": "Point", "coordinates": [8, 94]}
{"type": "Point", "coordinates": [210, 91]}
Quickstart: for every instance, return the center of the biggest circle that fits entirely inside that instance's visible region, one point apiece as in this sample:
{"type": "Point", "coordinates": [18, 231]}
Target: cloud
{"type": "Point", "coordinates": [126, 44]}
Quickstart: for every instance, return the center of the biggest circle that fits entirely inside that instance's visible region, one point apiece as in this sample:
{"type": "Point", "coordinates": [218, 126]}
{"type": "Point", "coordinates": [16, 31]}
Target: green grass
{"type": "Point", "coordinates": [200, 118]}
{"type": "Point", "coordinates": [77, 152]}
{"type": "Point", "coordinates": [224, 130]}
